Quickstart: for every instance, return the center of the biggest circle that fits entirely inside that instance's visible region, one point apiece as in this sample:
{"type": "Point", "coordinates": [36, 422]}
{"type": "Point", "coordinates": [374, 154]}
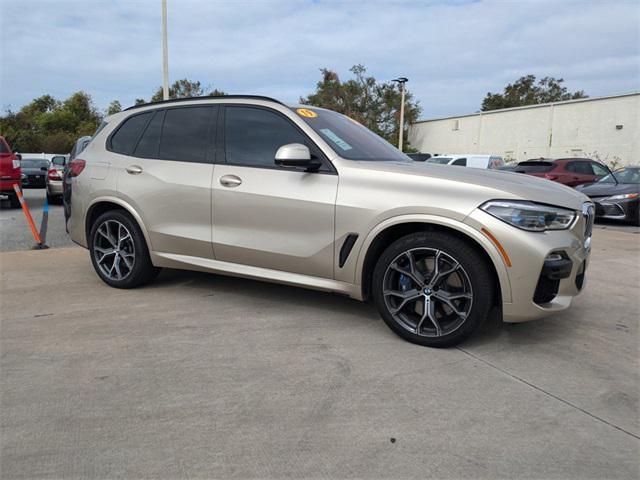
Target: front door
{"type": "Point", "coordinates": [265, 215]}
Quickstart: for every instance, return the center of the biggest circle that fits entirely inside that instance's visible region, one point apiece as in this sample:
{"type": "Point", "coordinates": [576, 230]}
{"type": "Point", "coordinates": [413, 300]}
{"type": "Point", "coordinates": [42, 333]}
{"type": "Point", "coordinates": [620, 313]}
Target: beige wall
{"type": "Point", "coordinates": [564, 129]}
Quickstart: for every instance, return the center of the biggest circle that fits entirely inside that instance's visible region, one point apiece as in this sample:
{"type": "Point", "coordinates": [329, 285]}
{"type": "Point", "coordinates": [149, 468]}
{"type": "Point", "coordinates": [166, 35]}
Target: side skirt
{"type": "Point", "coordinates": [186, 262]}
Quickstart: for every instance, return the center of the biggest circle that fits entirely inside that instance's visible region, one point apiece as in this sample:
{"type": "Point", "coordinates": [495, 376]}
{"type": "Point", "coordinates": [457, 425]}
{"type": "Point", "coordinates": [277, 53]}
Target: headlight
{"type": "Point", "coordinates": [529, 215]}
{"type": "Point", "coordinates": [623, 196]}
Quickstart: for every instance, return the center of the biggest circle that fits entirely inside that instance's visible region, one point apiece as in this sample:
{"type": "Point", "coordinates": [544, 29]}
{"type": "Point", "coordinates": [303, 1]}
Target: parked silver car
{"type": "Point", "coordinates": [54, 179]}
{"type": "Point", "coordinates": [248, 186]}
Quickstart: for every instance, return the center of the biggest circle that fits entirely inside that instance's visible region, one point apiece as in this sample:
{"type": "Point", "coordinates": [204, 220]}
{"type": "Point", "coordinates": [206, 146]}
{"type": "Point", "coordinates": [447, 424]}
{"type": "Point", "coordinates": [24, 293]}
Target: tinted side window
{"type": "Point", "coordinates": [583, 168]}
{"type": "Point", "coordinates": [599, 170]}
{"type": "Point", "coordinates": [253, 135]}
{"type": "Point", "coordinates": [462, 162]}
{"type": "Point", "coordinates": [125, 138]}
{"type": "Point", "coordinates": [185, 134]}
{"type": "Point", "coordinates": [149, 144]}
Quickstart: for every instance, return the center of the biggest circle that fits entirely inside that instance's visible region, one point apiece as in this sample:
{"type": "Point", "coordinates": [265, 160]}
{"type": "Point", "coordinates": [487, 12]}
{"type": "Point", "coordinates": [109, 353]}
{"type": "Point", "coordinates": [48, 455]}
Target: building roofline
{"type": "Point", "coordinates": [205, 97]}
{"type": "Point", "coordinates": [525, 107]}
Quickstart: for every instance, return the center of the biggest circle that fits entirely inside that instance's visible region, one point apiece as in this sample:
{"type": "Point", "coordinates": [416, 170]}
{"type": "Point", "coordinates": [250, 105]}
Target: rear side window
{"type": "Point", "coordinates": [461, 162]}
{"type": "Point", "coordinates": [185, 134]}
{"type": "Point", "coordinates": [253, 136]}
{"type": "Point", "coordinates": [535, 167]}
{"type": "Point", "coordinates": [149, 144]}
{"type": "Point", "coordinates": [583, 168]}
{"type": "Point", "coordinates": [126, 137]}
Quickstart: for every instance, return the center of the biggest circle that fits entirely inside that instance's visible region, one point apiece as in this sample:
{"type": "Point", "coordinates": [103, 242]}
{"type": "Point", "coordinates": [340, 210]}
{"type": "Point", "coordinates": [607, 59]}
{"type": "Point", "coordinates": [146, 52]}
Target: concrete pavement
{"type": "Point", "coordinates": [203, 376]}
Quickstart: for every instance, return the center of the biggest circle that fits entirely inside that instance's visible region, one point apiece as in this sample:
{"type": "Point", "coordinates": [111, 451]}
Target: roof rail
{"type": "Point", "coordinates": [205, 97]}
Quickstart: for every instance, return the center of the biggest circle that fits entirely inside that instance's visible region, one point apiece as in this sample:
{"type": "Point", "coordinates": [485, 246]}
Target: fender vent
{"type": "Point", "coordinates": [348, 244]}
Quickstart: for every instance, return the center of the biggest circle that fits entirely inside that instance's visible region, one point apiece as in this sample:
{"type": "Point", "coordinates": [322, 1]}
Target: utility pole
{"type": "Point", "coordinates": [401, 81]}
{"type": "Point", "coordinates": [165, 53]}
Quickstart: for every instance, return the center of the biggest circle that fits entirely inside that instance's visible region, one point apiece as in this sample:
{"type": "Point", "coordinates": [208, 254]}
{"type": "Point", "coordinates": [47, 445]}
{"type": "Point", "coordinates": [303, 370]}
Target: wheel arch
{"type": "Point", "coordinates": [105, 204]}
{"type": "Point", "coordinates": [390, 230]}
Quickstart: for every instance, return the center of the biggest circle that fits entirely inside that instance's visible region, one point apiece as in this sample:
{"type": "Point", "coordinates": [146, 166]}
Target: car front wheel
{"type": "Point", "coordinates": [432, 288]}
{"type": "Point", "coordinates": [119, 252]}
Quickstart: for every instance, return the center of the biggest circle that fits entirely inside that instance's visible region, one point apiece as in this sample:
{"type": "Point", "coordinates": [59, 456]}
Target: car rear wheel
{"type": "Point", "coordinates": [14, 201]}
{"type": "Point", "coordinates": [119, 252]}
{"type": "Point", "coordinates": [432, 288]}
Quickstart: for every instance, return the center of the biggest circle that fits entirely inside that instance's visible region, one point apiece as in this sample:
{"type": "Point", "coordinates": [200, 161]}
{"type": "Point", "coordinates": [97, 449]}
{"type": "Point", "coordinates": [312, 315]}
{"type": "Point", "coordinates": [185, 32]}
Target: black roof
{"type": "Point", "coordinates": [206, 97]}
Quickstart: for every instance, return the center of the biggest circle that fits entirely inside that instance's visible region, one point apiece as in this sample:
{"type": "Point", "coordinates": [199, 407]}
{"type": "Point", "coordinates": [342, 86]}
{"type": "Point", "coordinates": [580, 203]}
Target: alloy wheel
{"type": "Point", "coordinates": [427, 292]}
{"type": "Point", "coordinates": [113, 250]}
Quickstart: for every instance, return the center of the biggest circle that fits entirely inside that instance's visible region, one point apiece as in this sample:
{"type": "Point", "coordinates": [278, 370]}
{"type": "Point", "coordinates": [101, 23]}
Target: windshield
{"type": "Point", "coordinates": [348, 138]}
{"type": "Point", "coordinates": [624, 175]}
{"type": "Point", "coordinates": [34, 163]}
{"type": "Point", "coordinates": [439, 160]}
{"type": "Point", "coordinates": [3, 147]}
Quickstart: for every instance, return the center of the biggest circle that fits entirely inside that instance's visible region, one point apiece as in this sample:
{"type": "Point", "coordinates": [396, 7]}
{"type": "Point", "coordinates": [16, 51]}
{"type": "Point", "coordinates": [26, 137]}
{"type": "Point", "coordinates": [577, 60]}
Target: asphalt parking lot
{"type": "Point", "coordinates": [204, 376]}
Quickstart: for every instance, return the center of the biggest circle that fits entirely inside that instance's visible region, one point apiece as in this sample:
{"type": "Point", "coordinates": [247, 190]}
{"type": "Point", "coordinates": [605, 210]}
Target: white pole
{"type": "Point", "coordinates": [401, 135]}
{"type": "Point", "coordinates": [165, 53]}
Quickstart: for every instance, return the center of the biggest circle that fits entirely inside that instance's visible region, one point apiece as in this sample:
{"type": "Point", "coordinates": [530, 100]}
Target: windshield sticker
{"type": "Point", "coordinates": [305, 112]}
{"type": "Point", "coordinates": [335, 139]}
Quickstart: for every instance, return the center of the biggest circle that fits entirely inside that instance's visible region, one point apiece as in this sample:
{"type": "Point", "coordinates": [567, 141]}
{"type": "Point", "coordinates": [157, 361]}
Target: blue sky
{"type": "Point", "coordinates": [453, 52]}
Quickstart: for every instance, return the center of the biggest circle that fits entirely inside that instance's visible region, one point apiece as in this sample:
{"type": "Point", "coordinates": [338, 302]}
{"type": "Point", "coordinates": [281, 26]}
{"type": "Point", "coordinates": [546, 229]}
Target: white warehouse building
{"type": "Point", "coordinates": [602, 128]}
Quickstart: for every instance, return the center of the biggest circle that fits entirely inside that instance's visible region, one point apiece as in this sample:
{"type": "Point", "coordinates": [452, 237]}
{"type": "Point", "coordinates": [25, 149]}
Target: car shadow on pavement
{"type": "Point", "coordinates": [213, 284]}
{"type": "Point", "coordinates": [493, 330]}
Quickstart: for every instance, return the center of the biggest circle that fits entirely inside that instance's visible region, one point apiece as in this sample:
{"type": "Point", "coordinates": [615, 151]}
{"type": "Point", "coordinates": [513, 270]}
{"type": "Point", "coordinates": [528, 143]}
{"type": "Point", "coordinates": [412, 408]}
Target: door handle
{"type": "Point", "coordinates": [230, 181]}
{"type": "Point", "coordinates": [134, 169]}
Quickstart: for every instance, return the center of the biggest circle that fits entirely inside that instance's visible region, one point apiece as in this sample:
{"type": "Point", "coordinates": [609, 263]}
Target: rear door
{"type": "Point", "coordinates": [265, 215]}
{"type": "Point", "coordinates": [165, 171]}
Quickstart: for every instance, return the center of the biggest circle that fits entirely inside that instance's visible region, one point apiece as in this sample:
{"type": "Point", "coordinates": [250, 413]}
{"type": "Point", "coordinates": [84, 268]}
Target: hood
{"type": "Point", "coordinates": [597, 190]}
{"type": "Point", "coordinates": [496, 184]}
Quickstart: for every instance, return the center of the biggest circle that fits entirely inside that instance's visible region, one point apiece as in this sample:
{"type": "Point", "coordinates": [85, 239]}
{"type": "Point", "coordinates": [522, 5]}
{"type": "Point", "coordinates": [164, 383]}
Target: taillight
{"type": "Point", "coordinates": [53, 174]}
{"type": "Point", "coordinates": [76, 166]}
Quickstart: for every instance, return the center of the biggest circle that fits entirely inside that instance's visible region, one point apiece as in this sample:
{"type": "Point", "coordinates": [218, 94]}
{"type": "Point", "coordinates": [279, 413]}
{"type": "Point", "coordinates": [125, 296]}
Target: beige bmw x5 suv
{"type": "Point", "coordinates": [250, 187]}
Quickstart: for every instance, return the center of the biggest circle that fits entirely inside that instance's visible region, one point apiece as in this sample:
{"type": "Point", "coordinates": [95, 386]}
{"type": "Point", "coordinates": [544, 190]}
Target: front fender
{"type": "Point", "coordinates": [464, 229]}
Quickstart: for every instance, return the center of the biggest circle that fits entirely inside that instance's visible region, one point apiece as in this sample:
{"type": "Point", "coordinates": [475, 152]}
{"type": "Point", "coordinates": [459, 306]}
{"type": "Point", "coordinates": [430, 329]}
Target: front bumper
{"type": "Point", "coordinates": [626, 209]}
{"type": "Point", "coordinates": [36, 181]}
{"type": "Point", "coordinates": [528, 252]}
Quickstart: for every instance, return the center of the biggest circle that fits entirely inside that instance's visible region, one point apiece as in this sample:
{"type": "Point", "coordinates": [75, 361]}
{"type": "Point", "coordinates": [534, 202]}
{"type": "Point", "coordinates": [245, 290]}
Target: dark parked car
{"type": "Point", "coordinates": [617, 196]}
{"type": "Point", "coordinates": [34, 172]}
{"type": "Point", "coordinates": [568, 171]}
{"type": "Point", "coordinates": [419, 157]}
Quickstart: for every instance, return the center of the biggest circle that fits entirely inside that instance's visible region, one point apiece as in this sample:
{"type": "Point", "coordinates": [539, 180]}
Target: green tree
{"type": "Point", "coordinates": [49, 125]}
{"type": "Point", "coordinates": [185, 88]}
{"type": "Point", "coordinates": [374, 104]}
{"type": "Point", "coordinates": [114, 107]}
{"type": "Point", "coordinates": [525, 91]}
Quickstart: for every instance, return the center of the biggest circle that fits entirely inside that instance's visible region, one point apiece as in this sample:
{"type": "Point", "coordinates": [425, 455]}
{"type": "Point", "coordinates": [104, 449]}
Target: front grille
{"type": "Point", "coordinates": [589, 214]}
{"type": "Point", "coordinates": [609, 210]}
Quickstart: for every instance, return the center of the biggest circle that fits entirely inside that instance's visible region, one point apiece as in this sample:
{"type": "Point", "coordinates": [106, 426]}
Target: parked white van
{"type": "Point", "coordinates": [472, 160]}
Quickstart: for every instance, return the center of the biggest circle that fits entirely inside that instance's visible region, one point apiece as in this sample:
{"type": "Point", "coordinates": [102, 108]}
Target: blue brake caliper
{"type": "Point", "coordinates": [404, 283]}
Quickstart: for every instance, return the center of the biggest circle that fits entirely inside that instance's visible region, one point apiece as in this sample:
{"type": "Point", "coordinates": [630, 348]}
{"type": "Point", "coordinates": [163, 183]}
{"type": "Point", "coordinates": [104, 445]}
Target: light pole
{"type": "Point", "coordinates": [401, 81]}
{"type": "Point", "coordinates": [165, 53]}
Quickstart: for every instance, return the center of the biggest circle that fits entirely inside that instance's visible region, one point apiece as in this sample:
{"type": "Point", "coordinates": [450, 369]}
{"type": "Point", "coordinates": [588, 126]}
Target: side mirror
{"type": "Point", "coordinates": [59, 160]}
{"type": "Point", "coordinates": [296, 155]}
{"type": "Point", "coordinates": [18, 156]}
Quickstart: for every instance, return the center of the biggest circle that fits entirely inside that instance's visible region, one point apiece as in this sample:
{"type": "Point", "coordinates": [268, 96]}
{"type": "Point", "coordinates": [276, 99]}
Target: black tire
{"type": "Point", "coordinates": [475, 274]}
{"type": "Point", "coordinates": [54, 199]}
{"type": "Point", "coordinates": [142, 270]}
{"type": "Point", "coordinates": [14, 202]}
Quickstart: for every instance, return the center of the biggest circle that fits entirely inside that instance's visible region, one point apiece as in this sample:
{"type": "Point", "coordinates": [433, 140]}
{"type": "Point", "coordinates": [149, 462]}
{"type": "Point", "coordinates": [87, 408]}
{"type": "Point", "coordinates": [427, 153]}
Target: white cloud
{"type": "Point", "coordinates": [452, 52]}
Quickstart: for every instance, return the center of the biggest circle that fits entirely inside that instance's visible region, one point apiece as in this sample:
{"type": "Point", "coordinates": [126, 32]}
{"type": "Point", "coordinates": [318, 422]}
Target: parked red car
{"type": "Point", "coordinates": [10, 172]}
{"type": "Point", "coordinates": [568, 171]}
